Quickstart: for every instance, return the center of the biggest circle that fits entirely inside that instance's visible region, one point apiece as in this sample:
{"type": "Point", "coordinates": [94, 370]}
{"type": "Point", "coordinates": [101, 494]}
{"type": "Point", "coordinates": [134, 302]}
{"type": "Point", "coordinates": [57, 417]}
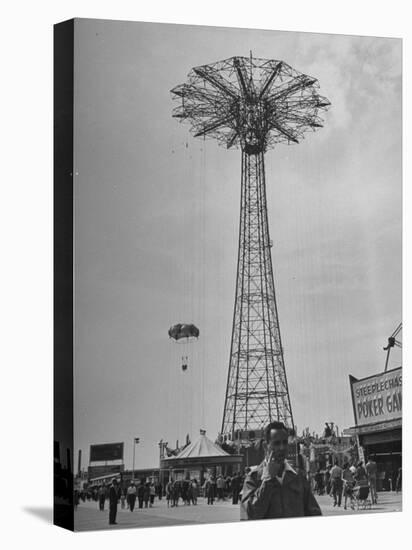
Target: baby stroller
{"type": "Point", "coordinates": [361, 496]}
{"type": "Point", "coordinates": [348, 493]}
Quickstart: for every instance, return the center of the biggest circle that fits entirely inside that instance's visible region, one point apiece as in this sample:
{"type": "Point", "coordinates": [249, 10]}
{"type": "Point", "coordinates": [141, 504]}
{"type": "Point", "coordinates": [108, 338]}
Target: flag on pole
{"type": "Point", "coordinates": [136, 439]}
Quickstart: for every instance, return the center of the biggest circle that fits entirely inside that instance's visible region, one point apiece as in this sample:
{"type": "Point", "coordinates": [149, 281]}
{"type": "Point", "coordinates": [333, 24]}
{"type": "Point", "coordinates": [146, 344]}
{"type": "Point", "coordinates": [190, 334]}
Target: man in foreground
{"type": "Point", "coordinates": [274, 489]}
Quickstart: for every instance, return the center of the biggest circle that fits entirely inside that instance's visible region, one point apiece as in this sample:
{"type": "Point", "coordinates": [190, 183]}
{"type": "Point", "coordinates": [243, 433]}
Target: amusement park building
{"type": "Point", "coordinates": [200, 458]}
{"type": "Point", "coordinates": [377, 408]}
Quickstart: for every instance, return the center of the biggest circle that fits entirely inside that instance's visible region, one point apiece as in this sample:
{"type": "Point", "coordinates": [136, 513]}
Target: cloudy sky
{"type": "Point", "coordinates": [156, 222]}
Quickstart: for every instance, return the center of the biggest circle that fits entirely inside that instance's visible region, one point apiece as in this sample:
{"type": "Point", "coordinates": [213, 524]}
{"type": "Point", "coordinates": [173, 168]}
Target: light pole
{"type": "Point", "coordinates": [162, 447]}
{"type": "Point", "coordinates": [135, 441]}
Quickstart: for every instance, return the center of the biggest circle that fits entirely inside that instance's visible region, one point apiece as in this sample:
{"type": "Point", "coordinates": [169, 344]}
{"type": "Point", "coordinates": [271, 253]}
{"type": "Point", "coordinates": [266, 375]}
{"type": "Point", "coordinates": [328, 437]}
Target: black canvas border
{"type": "Point", "coordinates": [63, 64]}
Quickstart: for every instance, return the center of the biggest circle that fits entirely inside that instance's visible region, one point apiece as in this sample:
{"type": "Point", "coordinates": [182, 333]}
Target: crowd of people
{"type": "Point", "coordinates": [187, 490]}
{"type": "Point", "coordinates": [213, 489]}
{"type": "Point", "coordinates": [271, 489]}
{"type": "Point", "coordinates": [347, 482]}
{"type": "Point", "coordinates": [141, 493]}
{"type": "Point", "coordinates": [138, 494]}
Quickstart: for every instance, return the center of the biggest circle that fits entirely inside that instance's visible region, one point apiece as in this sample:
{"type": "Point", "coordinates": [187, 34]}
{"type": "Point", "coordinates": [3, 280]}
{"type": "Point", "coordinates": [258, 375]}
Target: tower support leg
{"type": "Point", "coordinates": [257, 390]}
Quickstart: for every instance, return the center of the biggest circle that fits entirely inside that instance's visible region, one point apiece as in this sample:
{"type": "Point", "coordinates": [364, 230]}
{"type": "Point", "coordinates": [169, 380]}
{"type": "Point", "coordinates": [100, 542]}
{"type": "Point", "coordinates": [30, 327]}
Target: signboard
{"type": "Point", "coordinates": [106, 452]}
{"type": "Point", "coordinates": [378, 427]}
{"type": "Point", "coordinates": [99, 471]}
{"type": "Point", "coordinates": [377, 398]}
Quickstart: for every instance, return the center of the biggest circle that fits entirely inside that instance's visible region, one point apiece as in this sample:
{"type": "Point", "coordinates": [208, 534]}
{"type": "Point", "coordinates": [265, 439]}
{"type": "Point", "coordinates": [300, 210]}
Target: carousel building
{"type": "Point", "coordinates": [199, 459]}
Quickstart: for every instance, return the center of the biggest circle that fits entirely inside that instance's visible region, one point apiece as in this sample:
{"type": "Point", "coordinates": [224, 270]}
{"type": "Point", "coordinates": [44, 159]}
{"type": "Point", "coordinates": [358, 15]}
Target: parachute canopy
{"type": "Point", "coordinates": [179, 331]}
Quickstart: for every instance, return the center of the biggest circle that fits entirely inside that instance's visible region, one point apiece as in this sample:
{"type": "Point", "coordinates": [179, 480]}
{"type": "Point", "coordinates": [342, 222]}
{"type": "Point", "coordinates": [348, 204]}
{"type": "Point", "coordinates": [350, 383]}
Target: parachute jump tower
{"type": "Point", "coordinates": [252, 104]}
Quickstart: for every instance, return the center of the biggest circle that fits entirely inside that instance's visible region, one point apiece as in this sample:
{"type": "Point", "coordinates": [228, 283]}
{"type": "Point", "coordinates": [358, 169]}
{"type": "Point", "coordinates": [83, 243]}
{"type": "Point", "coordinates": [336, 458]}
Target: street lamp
{"type": "Point", "coordinates": [135, 442]}
{"type": "Point", "coordinates": [162, 447]}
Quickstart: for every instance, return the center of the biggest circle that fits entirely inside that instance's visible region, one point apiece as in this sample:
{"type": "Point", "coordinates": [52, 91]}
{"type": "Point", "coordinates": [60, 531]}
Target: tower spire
{"type": "Point", "coordinates": [273, 104]}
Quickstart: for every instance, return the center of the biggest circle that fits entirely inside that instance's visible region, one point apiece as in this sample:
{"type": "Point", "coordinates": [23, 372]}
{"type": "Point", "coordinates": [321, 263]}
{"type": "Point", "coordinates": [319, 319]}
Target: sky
{"type": "Point", "coordinates": [156, 228]}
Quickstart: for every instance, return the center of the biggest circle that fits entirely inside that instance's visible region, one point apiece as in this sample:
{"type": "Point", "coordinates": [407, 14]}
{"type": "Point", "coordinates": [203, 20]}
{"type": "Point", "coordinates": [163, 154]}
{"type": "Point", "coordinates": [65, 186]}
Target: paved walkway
{"type": "Point", "coordinates": [387, 502]}
{"type": "Point", "coordinates": [89, 517]}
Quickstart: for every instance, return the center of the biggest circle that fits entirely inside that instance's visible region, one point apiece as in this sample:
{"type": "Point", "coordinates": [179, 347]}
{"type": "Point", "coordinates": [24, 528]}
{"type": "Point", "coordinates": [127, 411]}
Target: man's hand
{"type": "Point", "coordinates": [272, 468]}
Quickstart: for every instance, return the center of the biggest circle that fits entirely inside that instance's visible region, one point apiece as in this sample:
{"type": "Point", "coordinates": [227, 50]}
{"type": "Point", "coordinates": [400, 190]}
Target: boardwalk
{"type": "Point", "coordinates": [89, 517]}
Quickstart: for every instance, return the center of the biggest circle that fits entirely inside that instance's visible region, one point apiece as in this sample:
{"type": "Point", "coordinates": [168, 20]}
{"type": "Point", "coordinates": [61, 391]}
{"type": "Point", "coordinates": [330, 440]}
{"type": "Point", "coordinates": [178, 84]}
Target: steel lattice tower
{"type": "Point", "coordinates": [253, 104]}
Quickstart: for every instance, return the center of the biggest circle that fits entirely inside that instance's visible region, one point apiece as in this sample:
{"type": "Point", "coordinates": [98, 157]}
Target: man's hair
{"type": "Point", "coordinates": [274, 426]}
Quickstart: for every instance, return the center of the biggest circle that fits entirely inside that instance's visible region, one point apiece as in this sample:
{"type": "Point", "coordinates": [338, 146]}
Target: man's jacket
{"type": "Point", "coordinates": [113, 495]}
{"type": "Point", "coordinates": [272, 499]}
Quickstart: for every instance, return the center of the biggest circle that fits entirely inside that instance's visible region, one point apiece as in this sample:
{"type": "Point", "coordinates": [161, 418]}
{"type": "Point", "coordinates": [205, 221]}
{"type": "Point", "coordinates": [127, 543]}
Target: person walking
{"type": "Point", "coordinates": [113, 500]}
{"type": "Point", "coordinates": [189, 492]}
{"type": "Point", "coordinates": [336, 484]}
{"type": "Point", "coordinates": [348, 485]}
{"type": "Point", "coordinates": [195, 491]}
{"type": "Point", "coordinates": [184, 486]}
{"type": "Point", "coordinates": [327, 481]}
{"type": "Point", "coordinates": [152, 494]}
{"type": "Point", "coordinates": [131, 496]}
{"type": "Point", "coordinates": [210, 489]}
{"type": "Point", "coordinates": [176, 493]}
{"type": "Point", "coordinates": [206, 486]}
{"type": "Point", "coordinates": [101, 495]}
{"type": "Point", "coordinates": [319, 482]}
{"type": "Point", "coordinates": [360, 474]}
{"type": "Point", "coordinates": [228, 488]}
{"type": "Point", "coordinates": [236, 486]}
{"type": "Point", "coordinates": [169, 492]}
{"type": "Point", "coordinates": [220, 486]}
{"type": "Point", "coordinates": [140, 493]}
{"type": "Point", "coordinates": [146, 494]}
{"type": "Point", "coordinates": [123, 498]}
{"type": "Point", "coordinates": [371, 472]}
